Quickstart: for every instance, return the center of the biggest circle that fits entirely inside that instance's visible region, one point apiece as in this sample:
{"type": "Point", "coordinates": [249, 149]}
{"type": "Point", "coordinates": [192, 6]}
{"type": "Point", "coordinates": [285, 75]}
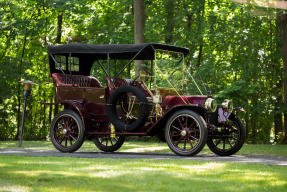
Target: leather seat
{"type": "Point", "coordinates": [76, 80]}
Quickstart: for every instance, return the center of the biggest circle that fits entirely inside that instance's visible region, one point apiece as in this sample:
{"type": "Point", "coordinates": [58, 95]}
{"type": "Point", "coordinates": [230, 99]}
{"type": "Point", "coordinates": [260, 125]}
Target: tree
{"type": "Point", "coordinates": [169, 20]}
{"type": "Point", "coordinates": [283, 26]}
{"type": "Point", "coordinates": [282, 22]}
{"type": "Point", "coordinates": [200, 29]}
{"type": "Point", "coordinates": [139, 26]}
{"type": "Point", "coordinates": [59, 27]}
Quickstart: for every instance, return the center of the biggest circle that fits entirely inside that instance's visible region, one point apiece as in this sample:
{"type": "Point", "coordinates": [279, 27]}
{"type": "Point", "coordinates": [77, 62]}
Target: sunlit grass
{"type": "Point", "coordinates": [18, 173]}
{"type": "Point", "coordinates": [152, 147]}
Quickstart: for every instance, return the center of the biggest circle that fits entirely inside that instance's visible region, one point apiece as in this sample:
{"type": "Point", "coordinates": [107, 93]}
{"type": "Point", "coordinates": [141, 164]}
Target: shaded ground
{"type": "Point", "coordinates": [146, 155]}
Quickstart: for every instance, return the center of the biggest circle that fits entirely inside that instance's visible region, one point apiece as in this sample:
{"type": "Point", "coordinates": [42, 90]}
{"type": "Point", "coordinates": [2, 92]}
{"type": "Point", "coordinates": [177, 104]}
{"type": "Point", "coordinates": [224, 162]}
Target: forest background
{"type": "Point", "coordinates": [239, 50]}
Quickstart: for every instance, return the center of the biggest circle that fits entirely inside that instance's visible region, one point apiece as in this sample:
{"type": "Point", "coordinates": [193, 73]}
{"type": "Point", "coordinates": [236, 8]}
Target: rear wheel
{"type": "Point", "coordinates": [109, 144]}
{"type": "Point", "coordinates": [228, 138]}
{"type": "Point", "coordinates": [67, 131]}
{"type": "Point", "coordinates": [186, 133]}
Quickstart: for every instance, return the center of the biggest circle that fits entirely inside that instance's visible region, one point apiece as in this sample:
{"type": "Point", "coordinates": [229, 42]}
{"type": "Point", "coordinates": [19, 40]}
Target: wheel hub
{"type": "Point", "coordinates": [183, 133]}
{"type": "Point", "coordinates": [65, 131]}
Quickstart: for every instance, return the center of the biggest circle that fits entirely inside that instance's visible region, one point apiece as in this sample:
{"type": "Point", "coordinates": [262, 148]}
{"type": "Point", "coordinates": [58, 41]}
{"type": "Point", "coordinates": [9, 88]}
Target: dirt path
{"type": "Point", "coordinates": [203, 157]}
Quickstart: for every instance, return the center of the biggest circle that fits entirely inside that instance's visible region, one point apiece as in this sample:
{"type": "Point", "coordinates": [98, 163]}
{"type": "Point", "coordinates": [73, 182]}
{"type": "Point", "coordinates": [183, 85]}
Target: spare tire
{"type": "Point", "coordinates": [120, 107]}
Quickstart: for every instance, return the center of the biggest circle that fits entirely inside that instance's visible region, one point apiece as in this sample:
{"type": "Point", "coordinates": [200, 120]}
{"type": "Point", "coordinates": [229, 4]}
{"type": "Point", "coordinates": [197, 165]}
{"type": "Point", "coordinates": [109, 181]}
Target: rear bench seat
{"type": "Point", "coordinates": [75, 80]}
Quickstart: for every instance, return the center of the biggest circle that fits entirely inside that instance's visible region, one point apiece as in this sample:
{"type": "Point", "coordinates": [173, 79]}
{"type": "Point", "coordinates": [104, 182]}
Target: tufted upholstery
{"type": "Point", "coordinates": [75, 80]}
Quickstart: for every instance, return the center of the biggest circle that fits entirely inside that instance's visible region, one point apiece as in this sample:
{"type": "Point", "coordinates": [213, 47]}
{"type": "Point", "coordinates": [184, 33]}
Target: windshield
{"type": "Point", "coordinates": [171, 72]}
{"type": "Point", "coordinates": [168, 71]}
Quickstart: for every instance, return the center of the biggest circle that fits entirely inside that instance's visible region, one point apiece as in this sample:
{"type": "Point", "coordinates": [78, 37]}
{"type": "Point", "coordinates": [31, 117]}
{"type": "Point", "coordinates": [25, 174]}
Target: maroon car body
{"type": "Point", "coordinates": [85, 101]}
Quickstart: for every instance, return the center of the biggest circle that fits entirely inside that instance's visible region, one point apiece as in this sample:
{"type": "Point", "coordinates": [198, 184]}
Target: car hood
{"type": "Point", "coordinates": [180, 100]}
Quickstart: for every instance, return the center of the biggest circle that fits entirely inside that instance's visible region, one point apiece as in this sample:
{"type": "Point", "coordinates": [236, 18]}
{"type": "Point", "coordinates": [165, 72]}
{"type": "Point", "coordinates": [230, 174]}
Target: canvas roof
{"type": "Point", "coordinates": [115, 51]}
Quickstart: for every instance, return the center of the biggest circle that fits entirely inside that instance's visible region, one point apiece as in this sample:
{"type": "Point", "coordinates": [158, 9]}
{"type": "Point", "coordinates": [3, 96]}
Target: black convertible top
{"type": "Point", "coordinates": [115, 51]}
{"type": "Point", "coordinates": [88, 53]}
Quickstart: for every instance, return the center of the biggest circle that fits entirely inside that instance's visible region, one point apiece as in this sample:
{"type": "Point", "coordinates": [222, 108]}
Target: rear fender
{"type": "Point", "coordinates": [78, 107]}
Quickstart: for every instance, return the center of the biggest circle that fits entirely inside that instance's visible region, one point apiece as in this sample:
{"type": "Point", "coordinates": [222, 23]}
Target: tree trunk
{"type": "Point", "coordinates": [59, 27]}
{"type": "Point", "coordinates": [50, 111]}
{"type": "Point", "coordinates": [247, 122]}
{"type": "Point", "coordinates": [253, 127]}
{"type": "Point", "coordinates": [201, 26]}
{"type": "Point", "coordinates": [278, 124]}
{"type": "Point", "coordinates": [129, 8]}
{"type": "Point", "coordinates": [58, 41]}
{"type": "Point", "coordinates": [56, 108]}
{"type": "Point", "coordinates": [19, 87]}
{"type": "Point", "coordinates": [189, 36]}
{"type": "Point", "coordinates": [139, 23]}
{"type": "Point", "coordinates": [169, 20]}
{"type": "Point", "coordinates": [283, 19]}
{"type": "Point", "coordinates": [188, 39]}
{"type": "Point", "coordinates": [275, 45]}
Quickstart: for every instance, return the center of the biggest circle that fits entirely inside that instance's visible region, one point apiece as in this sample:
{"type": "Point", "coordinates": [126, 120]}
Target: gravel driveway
{"type": "Point", "coordinates": [203, 157]}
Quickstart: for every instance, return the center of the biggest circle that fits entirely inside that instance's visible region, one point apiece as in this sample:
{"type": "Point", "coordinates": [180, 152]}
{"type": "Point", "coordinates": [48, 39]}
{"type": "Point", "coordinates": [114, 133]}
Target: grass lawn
{"type": "Point", "coordinates": [158, 147]}
{"type": "Point", "coordinates": [18, 173]}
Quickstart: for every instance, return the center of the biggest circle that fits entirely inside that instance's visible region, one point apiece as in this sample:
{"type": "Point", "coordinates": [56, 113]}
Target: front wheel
{"type": "Point", "coordinates": [186, 133]}
{"type": "Point", "coordinates": [67, 131]}
{"type": "Point", "coordinates": [228, 138]}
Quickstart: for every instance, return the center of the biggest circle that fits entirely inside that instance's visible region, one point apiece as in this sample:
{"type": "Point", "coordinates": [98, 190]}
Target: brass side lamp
{"type": "Point", "coordinates": [27, 91]}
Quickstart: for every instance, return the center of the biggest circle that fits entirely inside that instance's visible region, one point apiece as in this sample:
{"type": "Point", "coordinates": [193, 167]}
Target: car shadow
{"type": "Point", "coordinates": [142, 154]}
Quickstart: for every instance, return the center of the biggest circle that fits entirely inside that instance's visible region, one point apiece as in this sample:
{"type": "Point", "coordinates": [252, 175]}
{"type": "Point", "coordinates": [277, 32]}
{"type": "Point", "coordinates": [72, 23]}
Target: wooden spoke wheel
{"type": "Point", "coordinates": [228, 138]}
{"type": "Point", "coordinates": [109, 144]}
{"type": "Point", "coordinates": [186, 133]}
{"type": "Point", "coordinates": [67, 131]}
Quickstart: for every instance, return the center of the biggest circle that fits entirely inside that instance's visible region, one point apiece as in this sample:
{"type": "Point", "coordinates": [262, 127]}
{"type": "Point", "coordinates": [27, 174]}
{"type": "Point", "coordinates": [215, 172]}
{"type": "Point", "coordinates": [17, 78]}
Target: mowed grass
{"type": "Point", "coordinates": [153, 147]}
{"type": "Point", "coordinates": [19, 173]}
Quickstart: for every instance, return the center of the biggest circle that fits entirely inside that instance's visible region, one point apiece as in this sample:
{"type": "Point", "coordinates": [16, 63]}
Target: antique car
{"type": "Point", "coordinates": [105, 101]}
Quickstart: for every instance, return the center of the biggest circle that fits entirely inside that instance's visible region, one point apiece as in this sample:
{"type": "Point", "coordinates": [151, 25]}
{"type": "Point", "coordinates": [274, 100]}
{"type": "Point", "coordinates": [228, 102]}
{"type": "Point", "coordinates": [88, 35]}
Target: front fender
{"type": "Point", "coordinates": [160, 124]}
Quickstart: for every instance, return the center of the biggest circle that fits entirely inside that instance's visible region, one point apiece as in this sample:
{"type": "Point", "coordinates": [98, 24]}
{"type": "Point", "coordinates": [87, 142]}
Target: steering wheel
{"type": "Point", "coordinates": [135, 80]}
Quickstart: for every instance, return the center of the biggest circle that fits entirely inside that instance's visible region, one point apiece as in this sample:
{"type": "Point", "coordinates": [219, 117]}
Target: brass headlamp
{"type": "Point", "coordinates": [211, 104]}
{"type": "Point", "coordinates": [227, 105]}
